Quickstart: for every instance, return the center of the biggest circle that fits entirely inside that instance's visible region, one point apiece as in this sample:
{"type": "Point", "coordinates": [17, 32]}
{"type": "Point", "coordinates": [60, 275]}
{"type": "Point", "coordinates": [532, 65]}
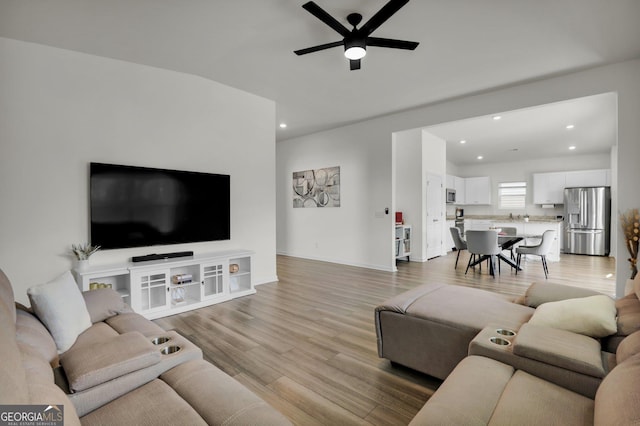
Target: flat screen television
{"type": "Point", "coordinates": [140, 206]}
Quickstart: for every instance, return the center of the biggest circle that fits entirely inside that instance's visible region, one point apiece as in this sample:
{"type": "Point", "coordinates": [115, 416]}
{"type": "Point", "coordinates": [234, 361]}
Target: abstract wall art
{"type": "Point", "coordinates": [317, 188]}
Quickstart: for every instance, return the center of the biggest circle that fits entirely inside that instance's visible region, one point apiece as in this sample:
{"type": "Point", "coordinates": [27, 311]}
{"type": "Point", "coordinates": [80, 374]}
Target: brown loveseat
{"type": "Point", "coordinates": [122, 370]}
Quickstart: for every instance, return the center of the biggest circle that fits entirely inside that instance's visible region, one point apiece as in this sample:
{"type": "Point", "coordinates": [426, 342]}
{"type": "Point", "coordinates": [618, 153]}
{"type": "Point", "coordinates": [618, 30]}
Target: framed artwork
{"type": "Point", "coordinates": [317, 188]}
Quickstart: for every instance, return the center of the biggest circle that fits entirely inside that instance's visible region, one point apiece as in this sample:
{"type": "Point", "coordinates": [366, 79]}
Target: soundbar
{"type": "Point", "coordinates": [161, 256]}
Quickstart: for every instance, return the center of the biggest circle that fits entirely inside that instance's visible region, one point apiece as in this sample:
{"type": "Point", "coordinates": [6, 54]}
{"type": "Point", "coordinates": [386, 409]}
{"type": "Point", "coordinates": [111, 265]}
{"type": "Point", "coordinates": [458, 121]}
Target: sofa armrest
{"type": "Point", "coordinates": [89, 366]}
{"type": "Point", "coordinates": [562, 348]}
{"type": "Point", "coordinates": [539, 293]}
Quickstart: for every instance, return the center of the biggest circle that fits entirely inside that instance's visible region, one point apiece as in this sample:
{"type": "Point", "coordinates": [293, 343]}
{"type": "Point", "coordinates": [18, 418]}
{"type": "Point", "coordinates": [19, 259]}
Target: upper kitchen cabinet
{"type": "Point", "coordinates": [459, 185]}
{"type": "Point", "coordinates": [589, 178]}
{"type": "Point", "coordinates": [548, 188]}
{"type": "Point", "coordinates": [477, 190]}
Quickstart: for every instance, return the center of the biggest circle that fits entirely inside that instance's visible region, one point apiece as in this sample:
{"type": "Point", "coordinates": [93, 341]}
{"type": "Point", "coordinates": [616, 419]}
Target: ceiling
{"type": "Point", "coordinates": [532, 133]}
{"type": "Point", "coordinates": [466, 46]}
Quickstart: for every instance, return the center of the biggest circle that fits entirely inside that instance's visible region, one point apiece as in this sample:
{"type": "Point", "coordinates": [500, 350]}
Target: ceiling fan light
{"type": "Point", "coordinates": [355, 52]}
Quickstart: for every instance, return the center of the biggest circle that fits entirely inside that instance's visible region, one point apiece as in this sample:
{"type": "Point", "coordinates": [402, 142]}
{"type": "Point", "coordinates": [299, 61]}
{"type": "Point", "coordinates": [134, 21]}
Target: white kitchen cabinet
{"type": "Point", "coordinates": [588, 178]}
{"type": "Point", "coordinates": [518, 225]}
{"type": "Point", "coordinates": [459, 186]}
{"type": "Point", "coordinates": [477, 224]}
{"type": "Point", "coordinates": [548, 188]}
{"type": "Point", "coordinates": [477, 190]}
{"type": "Point", "coordinates": [450, 181]}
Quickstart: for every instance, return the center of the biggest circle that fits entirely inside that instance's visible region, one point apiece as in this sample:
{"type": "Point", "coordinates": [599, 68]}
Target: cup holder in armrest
{"type": "Point", "coordinates": [499, 341]}
{"type": "Point", "coordinates": [160, 340]}
{"type": "Point", "coordinates": [505, 332]}
{"type": "Point", "coordinates": [170, 350]}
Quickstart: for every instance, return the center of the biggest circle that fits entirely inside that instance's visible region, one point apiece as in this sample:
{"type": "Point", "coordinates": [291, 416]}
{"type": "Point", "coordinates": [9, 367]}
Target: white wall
{"type": "Point", "coordinates": [367, 145]}
{"type": "Point", "coordinates": [409, 187]}
{"type": "Point", "coordinates": [523, 171]}
{"type": "Point", "coordinates": [352, 233]}
{"type": "Point", "coordinates": [60, 110]}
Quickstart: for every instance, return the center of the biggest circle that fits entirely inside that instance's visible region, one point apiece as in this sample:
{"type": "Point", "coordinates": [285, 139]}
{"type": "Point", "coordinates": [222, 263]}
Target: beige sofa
{"type": "Point", "coordinates": [511, 364]}
{"type": "Point", "coordinates": [430, 328]}
{"type": "Point", "coordinates": [483, 391]}
{"type": "Point", "coordinates": [122, 370]}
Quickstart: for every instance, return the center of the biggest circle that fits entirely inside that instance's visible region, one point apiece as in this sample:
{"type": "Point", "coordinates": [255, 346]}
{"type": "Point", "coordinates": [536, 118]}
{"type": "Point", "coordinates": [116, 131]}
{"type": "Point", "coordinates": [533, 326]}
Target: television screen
{"type": "Point", "coordinates": [139, 206]}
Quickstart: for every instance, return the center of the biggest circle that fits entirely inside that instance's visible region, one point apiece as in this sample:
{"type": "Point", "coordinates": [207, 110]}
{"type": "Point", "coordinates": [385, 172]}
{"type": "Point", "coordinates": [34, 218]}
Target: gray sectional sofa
{"type": "Point", "coordinates": [122, 369]}
{"type": "Point", "coordinates": [558, 355]}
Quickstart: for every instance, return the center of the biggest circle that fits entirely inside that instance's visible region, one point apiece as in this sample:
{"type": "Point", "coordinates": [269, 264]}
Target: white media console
{"type": "Point", "coordinates": [158, 288]}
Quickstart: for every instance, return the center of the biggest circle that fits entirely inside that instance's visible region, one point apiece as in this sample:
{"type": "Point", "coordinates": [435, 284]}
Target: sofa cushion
{"type": "Point", "coordinates": [47, 393]}
{"type": "Point", "coordinates": [134, 322]}
{"type": "Point", "coordinates": [593, 316]}
{"type": "Point", "coordinates": [88, 366]}
{"type": "Point", "coordinates": [476, 384]}
{"type": "Point", "coordinates": [61, 308]}
{"type": "Point", "coordinates": [618, 400]}
{"type": "Point", "coordinates": [562, 348]}
{"type": "Point", "coordinates": [529, 400]}
{"type": "Point", "coordinates": [31, 332]}
{"type": "Point", "coordinates": [104, 303]}
{"type": "Point", "coordinates": [629, 347]}
{"type": "Point", "coordinates": [152, 404]}
{"type": "Point", "coordinates": [13, 383]}
{"type": "Point", "coordinates": [539, 293]}
{"type": "Point", "coordinates": [226, 403]}
{"type": "Point", "coordinates": [628, 309]}
{"type": "Point", "coordinates": [6, 296]}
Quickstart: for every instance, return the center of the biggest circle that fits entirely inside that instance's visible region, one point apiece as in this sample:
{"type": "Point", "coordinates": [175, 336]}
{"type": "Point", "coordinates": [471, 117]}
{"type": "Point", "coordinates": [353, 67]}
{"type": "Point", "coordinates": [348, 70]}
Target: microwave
{"type": "Point", "coordinates": [451, 196]}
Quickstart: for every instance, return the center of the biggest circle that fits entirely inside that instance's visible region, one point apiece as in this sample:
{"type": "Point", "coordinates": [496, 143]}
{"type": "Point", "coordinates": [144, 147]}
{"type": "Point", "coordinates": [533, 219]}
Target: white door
{"type": "Point", "coordinates": [435, 215]}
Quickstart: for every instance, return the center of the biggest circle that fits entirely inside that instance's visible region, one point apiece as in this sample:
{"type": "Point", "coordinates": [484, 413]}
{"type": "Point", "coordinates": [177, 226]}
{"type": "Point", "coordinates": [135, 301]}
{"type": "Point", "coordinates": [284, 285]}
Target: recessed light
{"type": "Point", "coordinates": [572, 147]}
{"type": "Point", "coordinates": [283, 125]}
{"type": "Point", "coordinates": [463, 141]}
{"type": "Point", "coordinates": [480, 157]}
{"type": "Point", "coordinates": [497, 117]}
{"type": "Point", "coordinates": [609, 275]}
{"type": "Point", "coordinates": [570, 126]}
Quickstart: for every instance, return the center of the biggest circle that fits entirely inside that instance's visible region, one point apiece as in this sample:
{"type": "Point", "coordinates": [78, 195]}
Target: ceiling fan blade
{"type": "Point", "coordinates": [319, 13]}
{"type": "Point", "coordinates": [389, 42]}
{"type": "Point", "coordinates": [318, 48]}
{"type": "Point", "coordinates": [354, 64]}
{"type": "Point", "coordinates": [383, 14]}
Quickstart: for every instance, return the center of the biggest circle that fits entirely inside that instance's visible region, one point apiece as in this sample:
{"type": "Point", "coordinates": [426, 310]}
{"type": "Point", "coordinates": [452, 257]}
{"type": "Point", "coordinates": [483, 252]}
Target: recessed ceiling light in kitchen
{"type": "Point", "coordinates": [570, 126]}
{"type": "Point", "coordinates": [572, 147]}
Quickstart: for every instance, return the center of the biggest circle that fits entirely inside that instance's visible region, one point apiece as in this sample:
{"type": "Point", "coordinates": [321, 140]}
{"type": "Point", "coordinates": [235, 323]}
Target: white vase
{"type": "Point", "coordinates": [82, 265]}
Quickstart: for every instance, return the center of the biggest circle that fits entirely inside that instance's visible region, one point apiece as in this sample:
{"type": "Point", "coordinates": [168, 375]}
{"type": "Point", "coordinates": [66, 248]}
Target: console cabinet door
{"type": "Point", "coordinates": [150, 290]}
{"type": "Point", "coordinates": [212, 276]}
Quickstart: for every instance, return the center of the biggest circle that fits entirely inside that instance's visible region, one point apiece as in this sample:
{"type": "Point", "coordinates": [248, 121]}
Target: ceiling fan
{"type": "Point", "coordinates": [355, 41]}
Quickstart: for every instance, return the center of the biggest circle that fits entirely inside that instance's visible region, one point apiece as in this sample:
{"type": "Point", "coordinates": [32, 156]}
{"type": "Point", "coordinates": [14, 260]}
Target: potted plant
{"type": "Point", "coordinates": [630, 222]}
{"type": "Point", "coordinates": [82, 253]}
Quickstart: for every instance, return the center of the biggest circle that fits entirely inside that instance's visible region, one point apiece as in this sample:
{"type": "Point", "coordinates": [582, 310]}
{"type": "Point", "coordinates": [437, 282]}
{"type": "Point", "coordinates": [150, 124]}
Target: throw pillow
{"type": "Point", "coordinates": [61, 308]}
{"type": "Point", "coordinates": [103, 303]}
{"type": "Point", "coordinates": [593, 316]}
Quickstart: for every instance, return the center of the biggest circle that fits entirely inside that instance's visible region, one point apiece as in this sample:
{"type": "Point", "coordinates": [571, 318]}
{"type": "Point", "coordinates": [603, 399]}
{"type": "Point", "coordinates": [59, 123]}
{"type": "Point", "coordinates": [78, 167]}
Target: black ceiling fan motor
{"type": "Point", "coordinates": [359, 37]}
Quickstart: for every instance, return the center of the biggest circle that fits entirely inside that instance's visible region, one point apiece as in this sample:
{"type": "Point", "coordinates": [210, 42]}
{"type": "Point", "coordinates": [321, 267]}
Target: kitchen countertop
{"type": "Point", "coordinates": [532, 219]}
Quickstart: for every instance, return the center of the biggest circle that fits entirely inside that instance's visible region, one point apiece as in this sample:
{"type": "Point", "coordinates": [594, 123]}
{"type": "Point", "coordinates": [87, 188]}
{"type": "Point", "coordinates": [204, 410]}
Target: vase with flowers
{"type": "Point", "coordinates": [630, 222]}
{"type": "Point", "coordinates": [82, 253]}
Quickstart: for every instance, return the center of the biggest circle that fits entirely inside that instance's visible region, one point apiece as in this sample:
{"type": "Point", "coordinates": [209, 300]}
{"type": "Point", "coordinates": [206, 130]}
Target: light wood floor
{"type": "Point", "coordinates": [307, 344]}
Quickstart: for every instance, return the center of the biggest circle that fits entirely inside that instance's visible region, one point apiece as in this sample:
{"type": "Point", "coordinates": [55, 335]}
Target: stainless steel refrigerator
{"type": "Point", "coordinates": [587, 220]}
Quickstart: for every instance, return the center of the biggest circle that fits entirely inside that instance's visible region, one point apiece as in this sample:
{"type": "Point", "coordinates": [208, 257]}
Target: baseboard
{"type": "Point", "coordinates": [340, 262]}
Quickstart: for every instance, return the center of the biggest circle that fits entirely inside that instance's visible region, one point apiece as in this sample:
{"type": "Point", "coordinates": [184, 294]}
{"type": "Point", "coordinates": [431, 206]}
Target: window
{"type": "Point", "coordinates": [512, 195]}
